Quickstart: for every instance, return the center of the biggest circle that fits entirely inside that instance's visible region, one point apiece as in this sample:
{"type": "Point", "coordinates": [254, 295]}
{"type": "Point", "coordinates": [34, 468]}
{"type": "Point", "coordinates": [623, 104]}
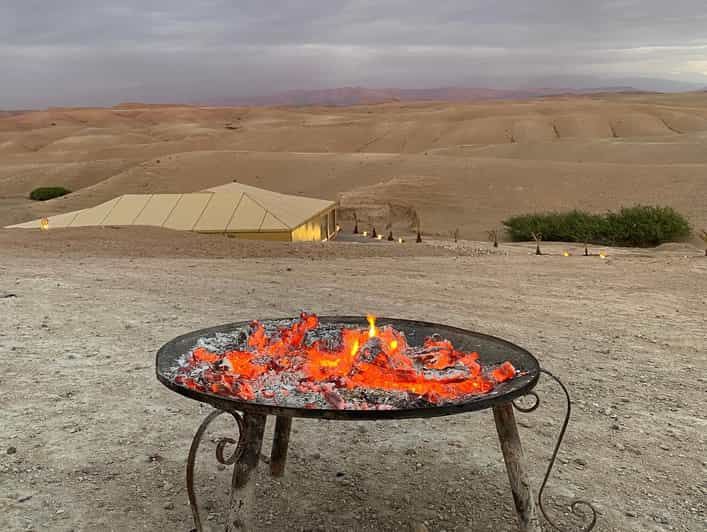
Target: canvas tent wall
{"type": "Point", "coordinates": [235, 209]}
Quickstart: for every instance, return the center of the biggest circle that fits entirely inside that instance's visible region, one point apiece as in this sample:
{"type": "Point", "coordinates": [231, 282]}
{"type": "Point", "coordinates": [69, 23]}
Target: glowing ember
{"type": "Point", "coordinates": [338, 367]}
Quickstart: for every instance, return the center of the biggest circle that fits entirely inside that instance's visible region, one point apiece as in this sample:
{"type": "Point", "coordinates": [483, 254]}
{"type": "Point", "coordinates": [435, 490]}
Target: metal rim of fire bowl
{"type": "Point", "coordinates": [491, 350]}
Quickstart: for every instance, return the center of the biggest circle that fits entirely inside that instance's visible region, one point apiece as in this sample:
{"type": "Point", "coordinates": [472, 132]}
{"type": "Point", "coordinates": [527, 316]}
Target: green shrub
{"type": "Point", "coordinates": [647, 226]}
{"type": "Point", "coordinates": [47, 193]}
{"type": "Point", "coordinates": [632, 226]}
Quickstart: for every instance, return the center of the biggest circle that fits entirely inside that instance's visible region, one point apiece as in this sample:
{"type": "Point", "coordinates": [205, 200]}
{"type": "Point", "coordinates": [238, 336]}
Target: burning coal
{"type": "Point", "coordinates": [312, 365]}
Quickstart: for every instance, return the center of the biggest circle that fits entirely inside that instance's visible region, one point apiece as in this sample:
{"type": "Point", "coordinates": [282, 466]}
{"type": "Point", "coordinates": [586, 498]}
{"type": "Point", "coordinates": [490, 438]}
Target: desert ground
{"type": "Point", "coordinates": [452, 166]}
{"type": "Point", "coordinates": [91, 440]}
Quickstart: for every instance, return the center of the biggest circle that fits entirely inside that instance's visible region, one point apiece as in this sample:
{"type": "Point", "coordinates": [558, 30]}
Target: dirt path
{"type": "Point", "coordinates": [91, 441]}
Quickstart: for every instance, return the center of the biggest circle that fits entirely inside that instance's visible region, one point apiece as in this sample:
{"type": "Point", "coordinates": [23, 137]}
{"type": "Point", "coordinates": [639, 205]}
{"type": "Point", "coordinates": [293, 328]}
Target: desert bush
{"type": "Point", "coordinates": [647, 226]}
{"type": "Point", "coordinates": [572, 226]}
{"type": "Point", "coordinates": [47, 193]}
{"type": "Point", "coordinates": [631, 226]}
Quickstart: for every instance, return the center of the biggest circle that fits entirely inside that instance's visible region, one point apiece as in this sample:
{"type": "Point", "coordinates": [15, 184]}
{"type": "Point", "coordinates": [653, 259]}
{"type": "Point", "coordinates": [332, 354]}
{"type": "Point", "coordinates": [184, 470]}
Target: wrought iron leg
{"type": "Point", "coordinates": [244, 473]}
{"type": "Point", "coordinates": [515, 465]}
{"type": "Point", "coordinates": [219, 456]}
{"type": "Point", "coordinates": [278, 455]}
{"type": "Point", "coordinates": [589, 511]}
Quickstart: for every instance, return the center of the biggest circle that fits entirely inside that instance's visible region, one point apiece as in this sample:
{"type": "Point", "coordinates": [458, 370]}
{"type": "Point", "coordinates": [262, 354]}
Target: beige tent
{"type": "Point", "coordinates": [235, 209]}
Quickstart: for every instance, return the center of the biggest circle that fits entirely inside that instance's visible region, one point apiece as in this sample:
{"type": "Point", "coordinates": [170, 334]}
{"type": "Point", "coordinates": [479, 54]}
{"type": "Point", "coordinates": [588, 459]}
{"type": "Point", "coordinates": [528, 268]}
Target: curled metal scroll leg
{"type": "Point", "coordinates": [578, 503]}
{"type": "Point", "coordinates": [220, 446]}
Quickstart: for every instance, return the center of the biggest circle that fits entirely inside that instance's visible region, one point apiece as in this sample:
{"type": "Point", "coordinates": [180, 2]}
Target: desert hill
{"type": "Point", "coordinates": [453, 165]}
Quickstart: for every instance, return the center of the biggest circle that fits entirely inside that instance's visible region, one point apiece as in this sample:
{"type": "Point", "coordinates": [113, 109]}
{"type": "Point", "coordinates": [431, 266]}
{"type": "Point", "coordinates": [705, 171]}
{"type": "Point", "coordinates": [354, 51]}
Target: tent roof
{"type": "Point", "coordinates": [233, 207]}
{"type": "Point", "coordinates": [292, 211]}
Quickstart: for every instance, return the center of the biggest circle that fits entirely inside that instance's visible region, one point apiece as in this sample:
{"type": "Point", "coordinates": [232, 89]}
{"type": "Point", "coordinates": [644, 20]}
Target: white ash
{"type": "Point", "coordinates": [223, 342]}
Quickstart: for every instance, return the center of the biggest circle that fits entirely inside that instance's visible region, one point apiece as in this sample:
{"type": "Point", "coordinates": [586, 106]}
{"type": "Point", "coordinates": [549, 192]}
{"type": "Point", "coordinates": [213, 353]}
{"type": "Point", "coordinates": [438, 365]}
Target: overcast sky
{"type": "Point", "coordinates": [93, 52]}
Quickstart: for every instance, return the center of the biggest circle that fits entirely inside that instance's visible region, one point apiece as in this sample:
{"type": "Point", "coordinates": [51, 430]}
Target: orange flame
{"type": "Point", "coordinates": [373, 358]}
{"type": "Point", "coordinates": [372, 329]}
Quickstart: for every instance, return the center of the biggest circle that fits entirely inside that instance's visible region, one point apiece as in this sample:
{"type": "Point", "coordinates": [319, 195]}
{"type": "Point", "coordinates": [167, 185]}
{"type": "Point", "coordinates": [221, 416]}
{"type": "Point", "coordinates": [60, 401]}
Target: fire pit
{"type": "Point", "coordinates": [347, 368]}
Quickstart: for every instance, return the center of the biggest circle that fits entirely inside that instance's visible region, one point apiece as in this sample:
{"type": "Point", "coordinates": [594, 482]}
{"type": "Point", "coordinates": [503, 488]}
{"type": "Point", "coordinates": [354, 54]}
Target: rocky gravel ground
{"type": "Point", "coordinates": [91, 441]}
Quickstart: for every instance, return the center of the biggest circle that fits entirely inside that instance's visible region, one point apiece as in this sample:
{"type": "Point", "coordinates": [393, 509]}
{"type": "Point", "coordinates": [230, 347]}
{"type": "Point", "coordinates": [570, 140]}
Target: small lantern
{"type": "Point", "coordinates": [380, 237]}
{"type": "Point", "coordinates": [401, 240]}
{"type": "Point", "coordinates": [602, 255]}
{"type": "Point", "coordinates": [365, 233]}
{"type": "Point", "coordinates": [566, 254]}
{"type": "Point", "coordinates": [44, 224]}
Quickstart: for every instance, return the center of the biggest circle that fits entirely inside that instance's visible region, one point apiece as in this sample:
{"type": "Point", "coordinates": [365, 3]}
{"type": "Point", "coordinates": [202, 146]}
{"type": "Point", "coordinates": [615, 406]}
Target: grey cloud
{"type": "Point", "coordinates": [93, 52]}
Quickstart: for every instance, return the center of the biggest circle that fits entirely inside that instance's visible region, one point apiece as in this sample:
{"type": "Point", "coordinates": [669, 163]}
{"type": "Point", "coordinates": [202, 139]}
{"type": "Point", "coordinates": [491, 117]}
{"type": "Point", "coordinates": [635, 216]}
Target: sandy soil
{"type": "Point", "coordinates": [457, 166]}
{"type": "Point", "coordinates": [138, 242]}
{"type": "Point", "coordinates": [91, 441]}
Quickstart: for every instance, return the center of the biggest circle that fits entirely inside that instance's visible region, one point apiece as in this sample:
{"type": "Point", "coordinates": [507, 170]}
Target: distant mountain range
{"type": "Point", "coordinates": [13, 112]}
{"type": "Point", "coordinates": [362, 95]}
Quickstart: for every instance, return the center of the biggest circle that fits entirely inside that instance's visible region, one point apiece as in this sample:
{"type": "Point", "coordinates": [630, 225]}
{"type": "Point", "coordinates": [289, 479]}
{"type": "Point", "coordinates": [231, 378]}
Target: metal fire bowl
{"type": "Point", "coordinates": [491, 351]}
